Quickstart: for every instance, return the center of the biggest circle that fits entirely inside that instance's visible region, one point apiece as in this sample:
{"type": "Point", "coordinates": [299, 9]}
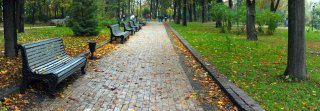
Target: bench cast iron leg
{"type": "Point", "coordinates": [24, 85]}
{"type": "Point", "coordinates": [52, 82]}
{"type": "Point", "coordinates": [83, 69]}
{"type": "Point", "coordinates": [122, 40]}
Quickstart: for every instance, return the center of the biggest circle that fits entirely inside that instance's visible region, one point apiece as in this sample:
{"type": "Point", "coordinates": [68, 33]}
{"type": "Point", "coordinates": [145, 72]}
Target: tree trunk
{"type": "Point", "coordinates": [239, 3]}
{"type": "Point", "coordinates": [151, 9]}
{"type": "Point", "coordinates": [184, 22]}
{"type": "Point", "coordinates": [251, 20]}
{"type": "Point", "coordinates": [157, 7]}
{"type": "Point", "coordinates": [204, 10]}
{"type": "Point", "coordinates": [194, 11]}
{"type": "Point", "coordinates": [229, 21]}
{"type": "Point", "coordinates": [129, 8]}
{"type": "Point", "coordinates": [20, 15]}
{"type": "Point", "coordinates": [140, 8]}
{"type": "Point", "coordinates": [10, 33]}
{"type": "Point", "coordinates": [296, 66]}
{"type": "Point", "coordinates": [175, 10]}
{"type": "Point", "coordinates": [190, 12]}
{"type": "Point", "coordinates": [34, 11]}
{"type": "Point", "coordinates": [62, 12]}
{"type": "Point", "coordinates": [118, 12]}
{"type": "Point", "coordinates": [179, 12]}
{"type": "Point", "coordinates": [218, 19]}
{"type": "Point", "coordinates": [273, 6]}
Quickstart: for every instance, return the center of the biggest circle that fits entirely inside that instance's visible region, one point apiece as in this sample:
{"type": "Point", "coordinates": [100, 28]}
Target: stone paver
{"type": "Point", "coordinates": [142, 74]}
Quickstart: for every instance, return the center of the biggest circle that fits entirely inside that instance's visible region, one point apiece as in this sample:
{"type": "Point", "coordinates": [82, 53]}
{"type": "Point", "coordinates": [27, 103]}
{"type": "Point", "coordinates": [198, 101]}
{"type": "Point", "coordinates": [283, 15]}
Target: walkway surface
{"type": "Point", "coordinates": [142, 74]}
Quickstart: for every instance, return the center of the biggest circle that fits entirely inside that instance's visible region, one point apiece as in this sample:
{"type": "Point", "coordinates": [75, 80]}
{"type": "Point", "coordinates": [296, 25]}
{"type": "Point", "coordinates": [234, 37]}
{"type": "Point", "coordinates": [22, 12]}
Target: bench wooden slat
{"type": "Point", "coordinates": [43, 47]}
{"type": "Point", "coordinates": [48, 52]}
{"type": "Point", "coordinates": [52, 67]}
{"type": "Point", "coordinates": [47, 64]}
{"type": "Point", "coordinates": [41, 42]}
{"type": "Point", "coordinates": [45, 57]}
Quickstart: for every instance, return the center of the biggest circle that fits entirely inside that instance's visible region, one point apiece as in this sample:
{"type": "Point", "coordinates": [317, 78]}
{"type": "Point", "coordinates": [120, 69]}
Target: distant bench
{"type": "Point", "coordinates": [117, 33]}
{"type": "Point", "coordinates": [133, 25]}
{"type": "Point", "coordinates": [128, 28]}
{"type": "Point", "coordinates": [46, 60]}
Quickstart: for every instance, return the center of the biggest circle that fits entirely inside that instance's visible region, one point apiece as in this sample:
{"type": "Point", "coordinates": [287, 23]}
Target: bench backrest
{"type": "Point", "coordinates": [135, 23]}
{"type": "Point", "coordinates": [132, 24]}
{"type": "Point", "coordinates": [36, 54]}
{"type": "Point", "coordinates": [126, 26]}
{"type": "Point", "coordinates": [115, 29]}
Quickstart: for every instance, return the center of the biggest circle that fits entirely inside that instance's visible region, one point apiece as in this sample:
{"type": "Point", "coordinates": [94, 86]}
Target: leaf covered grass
{"type": "Point", "coordinates": [10, 69]}
{"type": "Point", "coordinates": [257, 67]}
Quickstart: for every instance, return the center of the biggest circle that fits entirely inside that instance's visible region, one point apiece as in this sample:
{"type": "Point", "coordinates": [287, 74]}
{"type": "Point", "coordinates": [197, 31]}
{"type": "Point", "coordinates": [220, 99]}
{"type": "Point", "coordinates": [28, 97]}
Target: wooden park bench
{"type": "Point", "coordinates": [46, 60]}
{"type": "Point", "coordinates": [137, 24]}
{"type": "Point", "coordinates": [132, 25]}
{"type": "Point", "coordinates": [128, 28]}
{"type": "Point", "coordinates": [117, 33]}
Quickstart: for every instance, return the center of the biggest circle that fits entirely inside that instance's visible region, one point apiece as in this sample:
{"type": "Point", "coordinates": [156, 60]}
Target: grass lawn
{"type": "Point", "coordinates": [66, 33]}
{"type": "Point", "coordinates": [10, 68]}
{"type": "Point", "coordinates": [256, 67]}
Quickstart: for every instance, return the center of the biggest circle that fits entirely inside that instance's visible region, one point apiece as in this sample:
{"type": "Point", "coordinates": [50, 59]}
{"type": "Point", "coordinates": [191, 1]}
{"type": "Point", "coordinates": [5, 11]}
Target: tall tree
{"type": "Point", "coordinates": [140, 7]}
{"type": "Point", "coordinates": [10, 33]}
{"type": "Point", "coordinates": [179, 12]}
{"type": "Point", "coordinates": [190, 10]}
{"type": "Point", "coordinates": [151, 8]}
{"type": "Point", "coordinates": [274, 6]}
{"type": "Point", "coordinates": [129, 9]}
{"type": "Point", "coordinates": [20, 15]}
{"type": "Point", "coordinates": [194, 11]}
{"type": "Point", "coordinates": [296, 66]}
{"type": "Point", "coordinates": [118, 12]}
{"type": "Point", "coordinates": [157, 7]}
{"type": "Point", "coordinates": [184, 20]}
{"type": "Point", "coordinates": [204, 11]}
{"type": "Point", "coordinates": [218, 19]}
{"type": "Point", "coordinates": [230, 6]}
{"type": "Point", "coordinates": [251, 20]}
{"type": "Point", "coordinates": [174, 9]}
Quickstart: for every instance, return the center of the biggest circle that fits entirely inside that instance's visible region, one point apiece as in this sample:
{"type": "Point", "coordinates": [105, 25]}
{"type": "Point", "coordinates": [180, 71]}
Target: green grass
{"type": "Point", "coordinates": [66, 33]}
{"type": "Point", "coordinates": [256, 67]}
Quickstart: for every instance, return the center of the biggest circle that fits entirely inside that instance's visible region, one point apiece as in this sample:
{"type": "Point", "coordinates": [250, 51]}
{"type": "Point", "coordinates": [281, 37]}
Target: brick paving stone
{"type": "Point", "coordinates": [142, 74]}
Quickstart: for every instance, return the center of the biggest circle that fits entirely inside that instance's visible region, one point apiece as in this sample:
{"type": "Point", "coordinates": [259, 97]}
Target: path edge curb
{"type": "Point", "coordinates": [237, 95]}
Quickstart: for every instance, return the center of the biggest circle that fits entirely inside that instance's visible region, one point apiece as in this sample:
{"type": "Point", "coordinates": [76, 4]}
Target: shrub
{"type": "Point", "coordinates": [223, 12]}
{"type": "Point", "coordinates": [83, 18]}
{"type": "Point", "coordinates": [273, 20]}
{"type": "Point", "coordinates": [266, 17]}
{"type": "Point", "coordinates": [106, 22]}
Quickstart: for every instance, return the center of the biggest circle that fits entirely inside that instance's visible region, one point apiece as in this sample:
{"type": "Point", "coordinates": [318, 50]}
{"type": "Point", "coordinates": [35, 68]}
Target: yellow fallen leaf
{"type": "Point", "coordinates": [60, 109]}
{"type": "Point", "coordinates": [3, 72]}
{"type": "Point", "coordinates": [220, 103]}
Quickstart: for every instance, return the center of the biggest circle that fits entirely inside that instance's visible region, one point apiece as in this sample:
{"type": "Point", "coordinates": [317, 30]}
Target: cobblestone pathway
{"type": "Point", "coordinates": [142, 74]}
